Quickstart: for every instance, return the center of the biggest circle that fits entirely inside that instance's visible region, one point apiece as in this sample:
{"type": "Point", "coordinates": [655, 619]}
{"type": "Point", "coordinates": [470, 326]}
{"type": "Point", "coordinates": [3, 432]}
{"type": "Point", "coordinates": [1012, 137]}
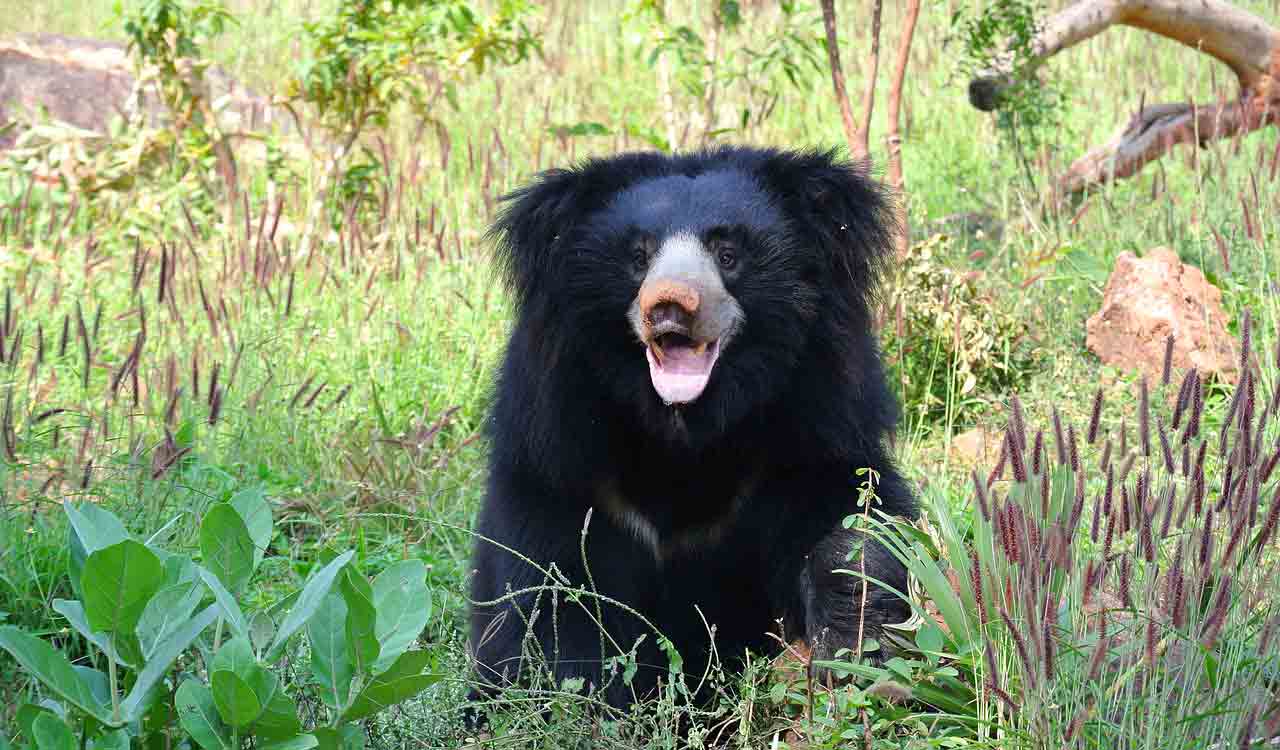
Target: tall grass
{"type": "Point", "coordinates": [352, 383]}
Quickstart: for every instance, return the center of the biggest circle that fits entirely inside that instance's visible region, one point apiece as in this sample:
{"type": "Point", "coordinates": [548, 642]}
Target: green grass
{"type": "Point", "coordinates": [410, 326]}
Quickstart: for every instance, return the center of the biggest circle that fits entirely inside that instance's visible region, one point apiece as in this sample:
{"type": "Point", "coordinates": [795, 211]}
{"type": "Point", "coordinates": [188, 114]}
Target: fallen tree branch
{"type": "Point", "coordinates": [1245, 43]}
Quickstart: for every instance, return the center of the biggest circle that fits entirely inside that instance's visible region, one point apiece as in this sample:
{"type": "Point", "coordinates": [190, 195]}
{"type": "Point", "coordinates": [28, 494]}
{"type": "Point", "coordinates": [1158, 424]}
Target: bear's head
{"type": "Point", "coordinates": [688, 292]}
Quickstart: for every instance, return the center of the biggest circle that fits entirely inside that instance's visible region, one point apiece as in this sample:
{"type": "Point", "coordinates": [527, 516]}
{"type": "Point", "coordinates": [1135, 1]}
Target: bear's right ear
{"type": "Point", "coordinates": [539, 217]}
{"type": "Point", "coordinates": [531, 223]}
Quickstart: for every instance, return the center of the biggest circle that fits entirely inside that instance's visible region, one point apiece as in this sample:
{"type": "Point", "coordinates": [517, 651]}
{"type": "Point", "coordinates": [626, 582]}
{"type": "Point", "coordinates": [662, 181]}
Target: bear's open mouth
{"type": "Point", "coordinates": [680, 366]}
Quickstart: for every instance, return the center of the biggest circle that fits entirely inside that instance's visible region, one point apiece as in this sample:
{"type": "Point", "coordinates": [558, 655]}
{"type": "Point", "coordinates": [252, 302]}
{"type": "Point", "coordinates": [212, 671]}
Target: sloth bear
{"type": "Point", "coordinates": [693, 363]}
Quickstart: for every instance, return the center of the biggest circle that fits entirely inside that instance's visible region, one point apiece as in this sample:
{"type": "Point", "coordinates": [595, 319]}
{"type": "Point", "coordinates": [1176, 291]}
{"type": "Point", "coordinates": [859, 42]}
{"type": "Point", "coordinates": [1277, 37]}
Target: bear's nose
{"type": "Point", "coordinates": [670, 302]}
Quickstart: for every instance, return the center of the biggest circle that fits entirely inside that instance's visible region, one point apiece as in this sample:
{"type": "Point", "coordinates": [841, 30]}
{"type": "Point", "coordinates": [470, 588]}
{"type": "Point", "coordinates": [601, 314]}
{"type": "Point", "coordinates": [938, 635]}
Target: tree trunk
{"type": "Point", "coordinates": [1245, 43]}
{"type": "Point", "coordinates": [892, 139]}
{"type": "Point", "coordinates": [856, 149]}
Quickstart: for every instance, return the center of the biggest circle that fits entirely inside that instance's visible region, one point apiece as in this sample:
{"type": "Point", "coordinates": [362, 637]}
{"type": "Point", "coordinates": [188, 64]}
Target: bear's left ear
{"type": "Point", "coordinates": [539, 216]}
{"type": "Point", "coordinates": [838, 208]}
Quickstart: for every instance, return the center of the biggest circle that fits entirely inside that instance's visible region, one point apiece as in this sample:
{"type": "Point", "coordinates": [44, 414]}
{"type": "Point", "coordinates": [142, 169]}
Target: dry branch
{"type": "Point", "coordinates": [1242, 41]}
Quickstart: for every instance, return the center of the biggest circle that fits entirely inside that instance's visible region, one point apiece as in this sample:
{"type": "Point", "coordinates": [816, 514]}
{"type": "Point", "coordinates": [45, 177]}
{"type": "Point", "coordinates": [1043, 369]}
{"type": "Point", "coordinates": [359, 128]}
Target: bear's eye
{"type": "Point", "coordinates": [640, 258]}
{"type": "Point", "coordinates": [726, 257]}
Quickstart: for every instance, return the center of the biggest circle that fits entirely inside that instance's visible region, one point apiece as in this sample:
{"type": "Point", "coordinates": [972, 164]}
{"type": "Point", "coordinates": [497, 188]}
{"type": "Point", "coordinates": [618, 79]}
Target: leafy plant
{"type": "Point", "coordinates": [698, 63]}
{"type": "Point", "coordinates": [1157, 591]}
{"type": "Point", "coordinates": [181, 655]}
{"type": "Point", "coordinates": [368, 57]}
{"type": "Point", "coordinates": [1002, 36]}
{"type": "Point", "coordinates": [956, 338]}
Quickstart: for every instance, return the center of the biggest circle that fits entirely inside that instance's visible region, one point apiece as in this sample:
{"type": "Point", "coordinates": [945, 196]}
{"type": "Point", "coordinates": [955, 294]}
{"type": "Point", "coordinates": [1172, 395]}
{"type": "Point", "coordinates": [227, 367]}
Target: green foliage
{"type": "Point", "coordinates": [1002, 37]}
{"type": "Point", "coordinates": [708, 58]}
{"type": "Point", "coordinates": [955, 338]}
{"type": "Point", "coordinates": [369, 56]}
{"type": "Point", "coordinates": [158, 619]}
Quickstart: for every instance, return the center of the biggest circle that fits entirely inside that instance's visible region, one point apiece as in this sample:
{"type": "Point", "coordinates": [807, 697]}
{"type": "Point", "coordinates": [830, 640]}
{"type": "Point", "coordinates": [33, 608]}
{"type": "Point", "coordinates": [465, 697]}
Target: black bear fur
{"type": "Point", "coordinates": [723, 512]}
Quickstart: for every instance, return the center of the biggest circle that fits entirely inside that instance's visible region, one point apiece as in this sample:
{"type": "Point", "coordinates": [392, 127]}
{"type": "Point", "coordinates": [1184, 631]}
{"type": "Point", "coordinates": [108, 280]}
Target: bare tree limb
{"type": "Point", "coordinates": [1245, 43]}
{"type": "Point", "coordinates": [893, 140]}
{"type": "Point", "coordinates": [869, 88]}
{"type": "Point", "coordinates": [837, 81]}
{"type": "Point", "coordinates": [1154, 131]}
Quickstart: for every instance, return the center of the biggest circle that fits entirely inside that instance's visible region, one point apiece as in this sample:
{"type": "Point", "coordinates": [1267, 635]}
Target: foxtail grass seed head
{"type": "Point", "coordinates": [1184, 397]}
{"type": "Point", "coordinates": [1110, 537]}
{"type": "Point", "coordinates": [1168, 499]}
{"type": "Point", "coordinates": [1206, 544]}
{"type": "Point", "coordinates": [1268, 533]}
{"type": "Point", "coordinates": [1124, 436]}
{"type": "Point", "coordinates": [1218, 613]}
{"type": "Point", "coordinates": [1177, 591]}
{"type": "Point", "coordinates": [1165, 449]}
{"type": "Point", "coordinates": [1126, 594]}
{"type": "Point", "coordinates": [1015, 446]}
{"type": "Point", "coordinates": [1236, 397]}
{"type": "Point", "coordinates": [1095, 417]}
{"type": "Point", "coordinates": [1018, 422]}
{"type": "Point", "coordinates": [1105, 463]}
{"type": "Point", "coordinates": [1126, 512]}
{"type": "Point", "coordinates": [1150, 646]}
{"type": "Point", "coordinates": [975, 581]}
{"type": "Point", "coordinates": [1059, 440]}
{"type": "Point", "coordinates": [1073, 451]}
{"type": "Point", "coordinates": [1246, 340]}
{"type": "Point", "coordinates": [1197, 408]}
{"type": "Point", "coordinates": [1125, 466]}
{"type": "Point", "coordinates": [1166, 371]}
{"type": "Point", "coordinates": [1144, 418]}
{"type": "Point", "coordinates": [1100, 650]}
{"type": "Point", "coordinates": [980, 493]}
{"type": "Point", "coordinates": [1097, 517]}
{"type": "Point", "coordinates": [1037, 452]}
{"type": "Point", "coordinates": [1020, 645]}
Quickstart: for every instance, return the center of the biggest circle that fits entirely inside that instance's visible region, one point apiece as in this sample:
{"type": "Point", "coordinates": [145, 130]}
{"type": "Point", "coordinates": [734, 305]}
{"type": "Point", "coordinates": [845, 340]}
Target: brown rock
{"type": "Point", "coordinates": [86, 82]}
{"type": "Point", "coordinates": [1149, 298]}
{"type": "Point", "coordinates": [977, 447]}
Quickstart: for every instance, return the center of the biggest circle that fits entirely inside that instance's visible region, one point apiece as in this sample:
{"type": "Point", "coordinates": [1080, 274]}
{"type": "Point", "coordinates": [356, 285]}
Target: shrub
{"type": "Point", "coordinates": [182, 657]}
{"type": "Point", "coordinates": [1122, 585]}
{"type": "Point", "coordinates": [954, 335]}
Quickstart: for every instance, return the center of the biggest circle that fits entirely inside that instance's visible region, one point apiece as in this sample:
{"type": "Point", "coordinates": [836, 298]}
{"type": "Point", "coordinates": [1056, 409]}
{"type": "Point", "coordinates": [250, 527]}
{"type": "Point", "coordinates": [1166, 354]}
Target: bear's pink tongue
{"type": "Point", "coordinates": [680, 370]}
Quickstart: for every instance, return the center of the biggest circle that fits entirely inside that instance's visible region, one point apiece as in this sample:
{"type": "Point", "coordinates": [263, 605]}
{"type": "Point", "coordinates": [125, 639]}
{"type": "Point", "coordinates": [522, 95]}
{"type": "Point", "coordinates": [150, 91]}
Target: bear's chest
{"type": "Point", "coordinates": [674, 517]}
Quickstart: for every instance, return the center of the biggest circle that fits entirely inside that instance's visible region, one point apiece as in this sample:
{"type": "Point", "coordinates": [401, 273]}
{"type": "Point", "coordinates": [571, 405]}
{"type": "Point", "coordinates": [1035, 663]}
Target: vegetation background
{"type": "Point", "coordinates": [322, 330]}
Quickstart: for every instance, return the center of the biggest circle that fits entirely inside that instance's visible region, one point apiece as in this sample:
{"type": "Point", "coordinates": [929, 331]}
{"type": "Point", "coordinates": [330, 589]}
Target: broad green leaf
{"type": "Point", "coordinates": [163, 656]}
{"type": "Point", "coordinates": [74, 612]}
{"type": "Point", "coordinates": [167, 610]}
{"type": "Point", "coordinates": [279, 719]}
{"type": "Point", "coordinates": [53, 670]}
{"type": "Point", "coordinates": [236, 656]}
{"type": "Point", "coordinates": [52, 733]}
{"type": "Point", "coordinates": [227, 600]}
{"type": "Point", "coordinates": [237, 704]}
{"type": "Point", "coordinates": [314, 592]}
{"type": "Point", "coordinates": [402, 681]}
{"type": "Point", "coordinates": [403, 603]}
{"type": "Point", "coordinates": [345, 737]}
{"type": "Point", "coordinates": [251, 503]}
{"type": "Point", "coordinates": [330, 654]}
{"type": "Point", "coordinates": [199, 716]}
{"type": "Point", "coordinates": [117, 582]}
{"type": "Point", "coordinates": [361, 641]}
{"type": "Point", "coordinates": [27, 715]}
{"type": "Point", "coordinates": [89, 529]}
{"type": "Point", "coordinates": [261, 628]}
{"type": "Point", "coordinates": [116, 739]}
{"type": "Point", "coordinates": [226, 547]}
{"type": "Point", "coordinates": [296, 742]}
{"type": "Point", "coordinates": [230, 609]}
{"type": "Point", "coordinates": [98, 682]}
